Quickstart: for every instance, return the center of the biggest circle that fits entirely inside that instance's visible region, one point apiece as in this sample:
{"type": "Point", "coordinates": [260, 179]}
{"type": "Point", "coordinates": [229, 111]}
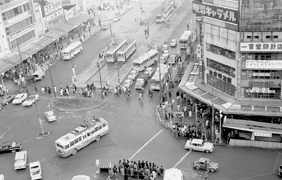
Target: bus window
{"type": "Point", "coordinates": [96, 128]}
{"type": "Point", "coordinates": [76, 141]}
{"type": "Point", "coordinates": [71, 143]}
{"type": "Point", "coordinates": [100, 127]}
{"type": "Point", "coordinates": [67, 146]}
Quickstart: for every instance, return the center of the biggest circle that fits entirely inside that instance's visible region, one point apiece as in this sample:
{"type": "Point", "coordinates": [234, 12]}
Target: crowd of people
{"type": "Point", "coordinates": [136, 169]}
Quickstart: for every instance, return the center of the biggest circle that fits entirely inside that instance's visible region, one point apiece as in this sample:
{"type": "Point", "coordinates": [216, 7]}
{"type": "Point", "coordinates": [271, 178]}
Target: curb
{"type": "Point", "coordinates": [78, 110]}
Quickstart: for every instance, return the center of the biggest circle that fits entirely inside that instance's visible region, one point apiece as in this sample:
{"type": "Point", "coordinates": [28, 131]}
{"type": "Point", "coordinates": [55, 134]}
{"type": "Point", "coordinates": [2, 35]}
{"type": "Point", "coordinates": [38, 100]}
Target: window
{"type": "Point", "coordinates": [267, 37]}
{"type": "Point", "coordinates": [4, 16]}
{"type": "Point", "coordinates": [249, 37]}
{"type": "Point", "coordinates": [100, 127]}
{"type": "Point", "coordinates": [67, 146]}
{"type": "Point", "coordinates": [76, 141]}
{"type": "Point", "coordinates": [275, 37]}
{"type": "Point", "coordinates": [71, 143]}
{"type": "Point", "coordinates": [96, 128]}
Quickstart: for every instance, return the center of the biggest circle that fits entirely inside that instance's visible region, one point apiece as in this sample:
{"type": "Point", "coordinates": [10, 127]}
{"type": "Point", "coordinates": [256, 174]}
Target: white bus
{"type": "Point", "coordinates": [125, 52]}
{"type": "Point", "coordinates": [185, 39]}
{"type": "Point", "coordinates": [111, 53]}
{"type": "Point", "coordinates": [156, 80]}
{"type": "Point", "coordinates": [71, 50]}
{"type": "Point", "coordinates": [146, 60]}
{"type": "Point", "coordinates": [81, 136]}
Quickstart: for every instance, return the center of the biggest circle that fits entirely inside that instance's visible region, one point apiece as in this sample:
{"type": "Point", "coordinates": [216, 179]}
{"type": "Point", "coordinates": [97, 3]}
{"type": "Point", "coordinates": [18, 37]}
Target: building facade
{"type": "Point", "coordinates": [17, 24]}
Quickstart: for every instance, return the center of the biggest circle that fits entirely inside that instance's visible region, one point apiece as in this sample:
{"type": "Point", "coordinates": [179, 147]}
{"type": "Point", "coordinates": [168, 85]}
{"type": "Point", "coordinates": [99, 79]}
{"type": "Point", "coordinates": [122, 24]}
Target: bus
{"type": "Point", "coordinates": [185, 39]}
{"type": "Point", "coordinates": [156, 79]}
{"type": "Point", "coordinates": [71, 50]}
{"type": "Point", "coordinates": [111, 53]}
{"type": "Point", "coordinates": [168, 9]}
{"type": "Point", "coordinates": [146, 60]}
{"type": "Point", "coordinates": [91, 130]}
{"type": "Point", "coordinates": [126, 51]}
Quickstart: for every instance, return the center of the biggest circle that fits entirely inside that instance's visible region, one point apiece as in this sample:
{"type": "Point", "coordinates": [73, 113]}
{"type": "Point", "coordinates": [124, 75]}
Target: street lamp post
{"type": "Point", "coordinates": [99, 68]}
{"type": "Point", "coordinates": [112, 37]}
{"type": "Point", "coordinates": [212, 118]}
{"type": "Point", "coordinates": [42, 133]}
{"type": "Point", "coordinates": [51, 78]}
{"type": "Point", "coordinates": [73, 71]}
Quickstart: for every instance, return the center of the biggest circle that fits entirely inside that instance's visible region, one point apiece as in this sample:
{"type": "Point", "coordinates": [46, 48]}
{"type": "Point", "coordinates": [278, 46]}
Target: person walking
{"type": "Point", "coordinates": [190, 114]}
{"type": "Point", "coordinates": [140, 98]}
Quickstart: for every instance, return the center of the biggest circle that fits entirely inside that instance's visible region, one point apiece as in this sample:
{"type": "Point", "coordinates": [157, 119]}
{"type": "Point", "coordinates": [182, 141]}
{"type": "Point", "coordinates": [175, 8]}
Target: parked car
{"type": "Point", "coordinates": [172, 59]}
{"type": "Point", "coordinates": [10, 146]}
{"type": "Point", "coordinates": [140, 83]}
{"type": "Point", "coordinates": [20, 160]}
{"type": "Point", "coordinates": [35, 170]}
{"type": "Point", "coordinates": [80, 177]}
{"type": "Point", "coordinates": [7, 99]}
{"type": "Point", "coordinates": [133, 74]}
{"type": "Point", "coordinates": [116, 18]}
{"type": "Point", "coordinates": [173, 43]}
{"type": "Point", "coordinates": [164, 58]}
{"type": "Point", "coordinates": [50, 116]}
{"type": "Point", "coordinates": [127, 83]}
{"type": "Point", "coordinates": [106, 26]}
{"type": "Point", "coordinates": [149, 71]}
{"type": "Point", "coordinates": [201, 164]}
{"type": "Point", "coordinates": [19, 98]}
{"type": "Point", "coordinates": [199, 145]}
{"type": "Point", "coordinates": [30, 100]}
{"type": "Point", "coordinates": [38, 74]}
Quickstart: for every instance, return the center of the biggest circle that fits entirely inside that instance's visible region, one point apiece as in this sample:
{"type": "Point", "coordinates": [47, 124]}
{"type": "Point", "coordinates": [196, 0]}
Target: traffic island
{"type": "Point", "coordinates": [75, 104]}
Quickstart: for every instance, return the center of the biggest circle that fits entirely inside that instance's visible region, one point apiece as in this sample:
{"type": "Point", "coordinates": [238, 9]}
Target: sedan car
{"type": "Point", "coordinates": [20, 160]}
{"type": "Point", "coordinates": [173, 43]}
{"type": "Point", "coordinates": [80, 177]}
{"type": "Point", "coordinates": [199, 145]}
{"type": "Point", "coordinates": [149, 71]}
{"type": "Point", "coordinates": [6, 99]}
{"type": "Point", "coordinates": [35, 170]}
{"type": "Point", "coordinates": [117, 18]}
{"type": "Point", "coordinates": [172, 59]}
{"type": "Point", "coordinates": [133, 74]}
{"type": "Point", "coordinates": [140, 83]}
{"type": "Point", "coordinates": [10, 146]}
{"type": "Point", "coordinates": [201, 164]}
{"type": "Point", "coordinates": [20, 98]}
{"type": "Point", "coordinates": [50, 116]}
{"type": "Point", "coordinates": [127, 83]}
{"type": "Point", "coordinates": [30, 100]}
{"type": "Point", "coordinates": [105, 26]}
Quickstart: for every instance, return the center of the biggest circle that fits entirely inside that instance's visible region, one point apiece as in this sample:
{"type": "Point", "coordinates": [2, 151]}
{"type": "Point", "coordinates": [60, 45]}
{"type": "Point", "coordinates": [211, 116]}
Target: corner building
{"type": "Point", "coordinates": [240, 68]}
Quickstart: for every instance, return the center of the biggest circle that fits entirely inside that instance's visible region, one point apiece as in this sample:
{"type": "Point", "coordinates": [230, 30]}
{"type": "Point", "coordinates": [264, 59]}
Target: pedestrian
{"type": "Point", "coordinates": [55, 89]}
{"type": "Point", "coordinates": [61, 92]}
{"type": "Point", "coordinates": [140, 98]}
{"type": "Point", "coordinates": [43, 90]}
{"type": "Point", "coordinates": [169, 94]}
{"type": "Point", "coordinates": [228, 138]}
{"type": "Point", "coordinates": [178, 107]}
{"type": "Point", "coordinates": [190, 114]}
{"type": "Point", "coordinates": [35, 88]}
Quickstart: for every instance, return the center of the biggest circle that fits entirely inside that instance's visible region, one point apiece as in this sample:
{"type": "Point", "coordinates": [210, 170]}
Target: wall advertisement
{"type": "Point", "coordinates": [261, 47]}
{"type": "Point", "coordinates": [264, 64]}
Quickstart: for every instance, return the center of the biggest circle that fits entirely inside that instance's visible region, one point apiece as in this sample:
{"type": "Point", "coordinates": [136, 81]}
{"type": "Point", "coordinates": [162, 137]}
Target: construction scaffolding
{"type": "Point", "coordinates": [261, 15]}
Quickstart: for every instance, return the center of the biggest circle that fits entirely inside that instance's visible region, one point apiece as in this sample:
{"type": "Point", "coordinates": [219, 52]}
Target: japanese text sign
{"type": "Point", "coordinates": [52, 7]}
{"type": "Point", "coordinates": [220, 13]}
{"type": "Point", "coordinates": [264, 64]}
{"type": "Point", "coordinates": [261, 46]}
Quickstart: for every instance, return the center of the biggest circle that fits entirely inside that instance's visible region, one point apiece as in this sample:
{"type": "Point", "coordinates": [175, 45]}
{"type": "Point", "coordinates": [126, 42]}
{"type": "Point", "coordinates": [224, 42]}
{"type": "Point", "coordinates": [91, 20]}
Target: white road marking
{"type": "Point", "coordinates": [5, 132]}
{"type": "Point", "coordinates": [145, 145]}
{"type": "Point", "coordinates": [180, 160]}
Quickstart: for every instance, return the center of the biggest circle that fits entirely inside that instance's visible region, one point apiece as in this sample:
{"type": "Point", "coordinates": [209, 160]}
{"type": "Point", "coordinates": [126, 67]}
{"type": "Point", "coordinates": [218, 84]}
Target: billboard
{"type": "Point", "coordinates": [261, 46]}
{"type": "Point", "coordinates": [220, 13]}
{"type": "Point", "coordinates": [264, 64]}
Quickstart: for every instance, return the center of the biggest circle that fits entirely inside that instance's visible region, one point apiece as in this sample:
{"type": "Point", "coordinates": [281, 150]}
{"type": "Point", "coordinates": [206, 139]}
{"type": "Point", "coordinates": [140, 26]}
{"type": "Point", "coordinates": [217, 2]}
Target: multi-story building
{"type": "Point", "coordinates": [17, 24]}
{"type": "Point", "coordinates": [240, 68]}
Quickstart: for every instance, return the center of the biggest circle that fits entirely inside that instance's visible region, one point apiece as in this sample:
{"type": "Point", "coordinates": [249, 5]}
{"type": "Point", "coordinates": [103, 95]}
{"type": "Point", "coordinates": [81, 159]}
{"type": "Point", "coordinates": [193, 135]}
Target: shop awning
{"type": "Point", "coordinates": [45, 41]}
{"type": "Point", "coordinates": [7, 63]}
{"type": "Point", "coordinates": [76, 21]}
{"type": "Point", "coordinates": [65, 27]}
{"type": "Point", "coordinates": [55, 34]}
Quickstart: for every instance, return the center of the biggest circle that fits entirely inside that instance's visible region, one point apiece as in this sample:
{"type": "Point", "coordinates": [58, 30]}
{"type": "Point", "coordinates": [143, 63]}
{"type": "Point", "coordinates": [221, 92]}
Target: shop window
{"type": "Point", "coordinates": [219, 76]}
{"type": "Point", "coordinates": [229, 80]}
{"type": "Point", "coordinates": [224, 78]}
{"type": "Point", "coordinates": [215, 74]}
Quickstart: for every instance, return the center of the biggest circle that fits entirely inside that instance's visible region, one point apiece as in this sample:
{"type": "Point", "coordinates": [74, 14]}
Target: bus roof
{"type": "Point", "coordinates": [67, 138]}
{"type": "Point", "coordinates": [186, 35]}
{"type": "Point", "coordinates": [71, 46]}
{"type": "Point", "coordinates": [126, 46]}
{"type": "Point", "coordinates": [150, 53]}
{"type": "Point", "coordinates": [164, 70]}
{"type": "Point", "coordinates": [116, 47]}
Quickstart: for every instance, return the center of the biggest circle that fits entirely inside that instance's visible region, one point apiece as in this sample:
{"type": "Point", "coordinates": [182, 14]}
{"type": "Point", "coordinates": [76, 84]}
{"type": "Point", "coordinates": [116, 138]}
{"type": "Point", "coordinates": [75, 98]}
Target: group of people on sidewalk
{"type": "Point", "coordinates": [136, 169]}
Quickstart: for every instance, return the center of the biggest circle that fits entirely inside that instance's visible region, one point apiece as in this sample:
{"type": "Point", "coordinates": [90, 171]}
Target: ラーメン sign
{"type": "Point", "coordinates": [264, 64]}
{"type": "Point", "coordinates": [261, 46]}
{"type": "Point", "coordinates": [220, 13]}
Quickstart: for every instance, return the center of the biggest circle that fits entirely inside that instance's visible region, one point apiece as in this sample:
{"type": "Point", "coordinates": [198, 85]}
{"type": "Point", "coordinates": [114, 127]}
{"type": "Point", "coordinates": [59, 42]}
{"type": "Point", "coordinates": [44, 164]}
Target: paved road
{"type": "Point", "coordinates": [134, 134]}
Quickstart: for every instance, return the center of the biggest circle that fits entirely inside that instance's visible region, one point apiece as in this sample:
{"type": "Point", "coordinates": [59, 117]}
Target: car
{"type": "Point", "coordinates": [133, 74]}
{"type": "Point", "coordinates": [116, 18]}
{"type": "Point", "coordinates": [35, 170]}
{"type": "Point", "coordinates": [165, 47]}
{"type": "Point", "coordinates": [150, 71]}
{"type": "Point", "coordinates": [127, 83]}
{"type": "Point", "coordinates": [106, 26]}
{"type": "Point", "coordinates": [140, 83]}
{"type": "Point", "coordinates": [173, 43]}
{"type": "Point", "coordinates": [201, 164]}
{"type": "Point", "coordinates": [6, 99]}
{"type": "Point", "coordinates": [164, 58]}
{"type": "Point", "coordinates": [50, 116]}
{"type": "Point", "coordinates": [172, 59]}
{"type": "Point", "coordinates": [199, 145]}
{"type": "Point", "coordinates": [30, 100]}
{"type": "Point", "coordinates": [80, 177]}
{"type": "Point", "coordinates": [10, 146]}
{"type": "Point", "coordinates": [19, 98]}
{"type": "Point", "coordinates": [20, 160]}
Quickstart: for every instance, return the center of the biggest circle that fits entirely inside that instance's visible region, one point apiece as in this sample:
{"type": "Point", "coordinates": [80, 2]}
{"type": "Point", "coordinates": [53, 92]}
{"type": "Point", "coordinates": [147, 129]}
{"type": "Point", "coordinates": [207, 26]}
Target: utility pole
{"type": "Point", "coordinates": [20, 57]}
{"type": "Point", "coordinates": [73, 71]}
{"type": "Point", "coordinates": [160, 77]}
{"type": "Point", "coordinates": [112, 37]}
{"type": "Point", "coordinates": [42, 133]}
{"type": "Point", "coordinates": [53, 90]}
{"type": "Point", "coordinates": [100, 79]}
{"type": "Point", "coordinates": [196, 117]}
{"type": "Point", "coordinates": [141, 8]}
{"type": "Point", "coordinates": [212, 118]}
